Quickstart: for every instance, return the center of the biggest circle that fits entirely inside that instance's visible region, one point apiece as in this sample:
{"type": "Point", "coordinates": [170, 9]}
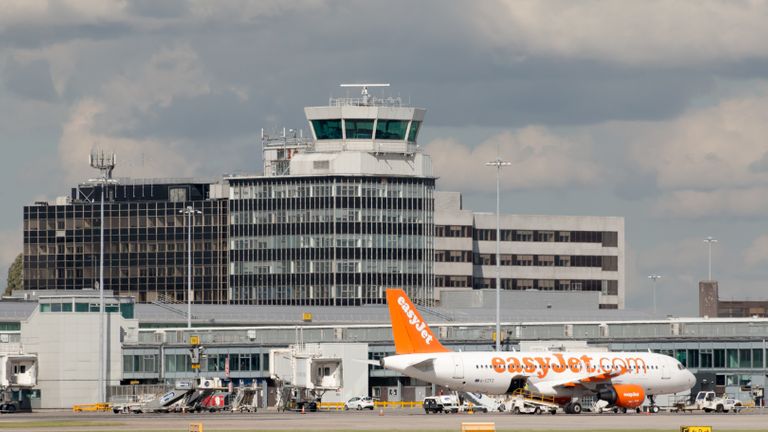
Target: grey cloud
{"type": "Point", "coordinates": [760, 165]}
{"type": "Point", "coordinates": [204, 118]}
{"type": "Point", "coordinates": [158, 9]}
{"type": "Point", "coordinates": [30, 80]}
{"type": "Point", "coordinates": [34, 36]}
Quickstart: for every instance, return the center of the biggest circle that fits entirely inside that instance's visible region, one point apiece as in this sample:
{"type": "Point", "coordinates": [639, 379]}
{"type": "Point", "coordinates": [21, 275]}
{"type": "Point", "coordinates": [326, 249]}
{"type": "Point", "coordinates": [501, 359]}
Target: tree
{"type": "Point", "coordinates": [15, 276]}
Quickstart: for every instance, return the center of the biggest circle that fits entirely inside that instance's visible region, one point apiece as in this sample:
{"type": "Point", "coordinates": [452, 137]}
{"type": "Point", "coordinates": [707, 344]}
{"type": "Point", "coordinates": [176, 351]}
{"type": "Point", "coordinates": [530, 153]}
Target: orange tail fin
{"type": "Point", "coordinates": [411, 332]}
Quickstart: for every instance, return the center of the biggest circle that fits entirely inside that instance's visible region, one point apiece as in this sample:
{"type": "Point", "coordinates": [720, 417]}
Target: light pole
{"type": "Point", "coordinates": [498, 163]}
{"type": "Point", "coordinates": [190, 212]}
{"type": "Point", "coordinates": [654, 278]}
{"type": "Point", "coordinates": [106, 164]}
{"type": "Point", "coordinates": [709, 240]}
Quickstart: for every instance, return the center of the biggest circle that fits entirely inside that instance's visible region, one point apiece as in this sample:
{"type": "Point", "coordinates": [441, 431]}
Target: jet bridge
{"type": "Point", "coordinates": [307, 373]}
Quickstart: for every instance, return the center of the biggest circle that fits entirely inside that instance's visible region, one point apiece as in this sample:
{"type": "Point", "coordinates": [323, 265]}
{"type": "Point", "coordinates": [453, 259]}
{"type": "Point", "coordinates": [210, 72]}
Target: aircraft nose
{"type": "Point", "coordinates": [691, 379]}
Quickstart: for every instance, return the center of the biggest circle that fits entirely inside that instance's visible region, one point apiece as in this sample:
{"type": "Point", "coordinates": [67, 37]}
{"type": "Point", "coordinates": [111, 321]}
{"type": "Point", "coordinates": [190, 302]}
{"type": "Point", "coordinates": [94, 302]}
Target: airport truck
{"type": "Point", "coordinates": [708, 401]}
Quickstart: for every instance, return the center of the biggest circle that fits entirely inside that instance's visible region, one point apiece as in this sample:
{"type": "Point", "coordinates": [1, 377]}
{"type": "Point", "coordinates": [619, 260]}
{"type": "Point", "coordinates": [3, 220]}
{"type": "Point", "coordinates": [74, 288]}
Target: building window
{"type": "Point", "coordinates": [545, 260]}
{"type": "Point", "coordinates": [358, 128]}
{"type": "Point", "coordinates": [485, 234]}
{"type": "Point", "coordinates": [524, 260]}
{"type": "Point", "coordinates": [525, 236]}
{"type": "Point", "coordinates": [414, 131]}
{"type": "Point", "coordinates": [547, 285]}
{"type": "Point", "coordinates": [391, 129]}
{"type": "Point", "coordinates": [610, 239]}
{"type": "Point", "coordinates": [545, 236]}
{"type": "Point", "coordinates": [327, 129]}
{"type": "Point", "coordinates": [524, 284]}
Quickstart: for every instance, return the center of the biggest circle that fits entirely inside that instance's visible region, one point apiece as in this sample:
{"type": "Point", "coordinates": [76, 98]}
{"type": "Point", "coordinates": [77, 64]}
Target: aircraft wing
{"type": "Point", "coordinates": [587, 380]}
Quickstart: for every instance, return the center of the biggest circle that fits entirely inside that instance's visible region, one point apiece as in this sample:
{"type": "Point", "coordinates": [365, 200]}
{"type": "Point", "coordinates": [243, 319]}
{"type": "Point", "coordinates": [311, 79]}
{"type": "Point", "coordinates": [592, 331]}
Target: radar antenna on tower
{"type": "Point", "coordinates": [364, 90]}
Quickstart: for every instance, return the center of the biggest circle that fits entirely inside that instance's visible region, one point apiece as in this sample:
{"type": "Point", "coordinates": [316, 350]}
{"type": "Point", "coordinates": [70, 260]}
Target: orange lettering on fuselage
{"type": "Point", "coordinates": [558, 363]}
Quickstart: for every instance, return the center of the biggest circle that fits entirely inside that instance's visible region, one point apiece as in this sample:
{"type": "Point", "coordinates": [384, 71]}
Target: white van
{"type": "Point", "coordinates": [441, 404]}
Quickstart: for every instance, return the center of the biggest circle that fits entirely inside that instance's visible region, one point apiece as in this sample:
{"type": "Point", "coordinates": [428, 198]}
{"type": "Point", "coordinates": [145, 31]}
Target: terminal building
{"type": "Point", "coordinates": [55, 337]}
{"type": "Point", "coordinates": [334, 219]}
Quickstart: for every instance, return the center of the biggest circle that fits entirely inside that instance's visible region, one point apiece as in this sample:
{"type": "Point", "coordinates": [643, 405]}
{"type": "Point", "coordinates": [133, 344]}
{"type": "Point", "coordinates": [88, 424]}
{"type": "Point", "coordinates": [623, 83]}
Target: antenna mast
{"type": "Point", "coordinates": [364, 90]}
{"type": "Point", "coordinates": [103, 162]}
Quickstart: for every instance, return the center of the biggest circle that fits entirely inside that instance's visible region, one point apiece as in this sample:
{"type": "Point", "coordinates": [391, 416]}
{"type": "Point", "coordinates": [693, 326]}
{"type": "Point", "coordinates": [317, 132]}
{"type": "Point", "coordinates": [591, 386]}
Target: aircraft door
{"type": "Point", "coordinates": [665, 371]}
{"type": "Point", "coordinates": [458, 367]}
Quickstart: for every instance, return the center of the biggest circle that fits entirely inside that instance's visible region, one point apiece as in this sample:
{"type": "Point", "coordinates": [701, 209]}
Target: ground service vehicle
{"type": "Point", "coordinates": [441, 404]}
{"type": "Point", "coordinates": [708, 401]}
{"type": "Point", "coordinates": [359, 403]}
{"type": "Point", "coordinates": [623, 379]}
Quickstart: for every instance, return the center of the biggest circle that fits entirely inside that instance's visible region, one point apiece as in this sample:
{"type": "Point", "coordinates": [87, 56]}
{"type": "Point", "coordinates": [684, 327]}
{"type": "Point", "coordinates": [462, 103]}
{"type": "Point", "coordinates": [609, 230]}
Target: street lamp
{"type": "Point", "coordinates": [105, 163]}
{"type": "Point", "coordinates": [190, 212]}
{"type": "Point", "coordinates": [709, 240]}
{"type": "Point", "coordinates": [654, 278]}
{"type": "Point", "coordinates": [498, 163]}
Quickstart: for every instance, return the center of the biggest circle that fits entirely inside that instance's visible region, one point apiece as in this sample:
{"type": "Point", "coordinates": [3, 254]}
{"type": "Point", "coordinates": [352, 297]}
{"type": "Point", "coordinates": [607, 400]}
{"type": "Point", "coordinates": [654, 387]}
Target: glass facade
{"type": "Point", "coordinates": [358, 128]}
{"type": "Point", "coordinates": [145, 243]}
{"type": "Point", "coordinates": [413, 132]}
{"type": "Point", "coordinates": [327, 129]}
{"type": "Point", "coordinates": [331, 240]}
{"type": "Point", "coordinates": [391, 129]}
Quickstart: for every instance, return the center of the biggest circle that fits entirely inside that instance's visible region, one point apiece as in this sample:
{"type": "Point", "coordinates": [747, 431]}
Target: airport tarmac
{"type": "Point", "coordinates": [401, 420]}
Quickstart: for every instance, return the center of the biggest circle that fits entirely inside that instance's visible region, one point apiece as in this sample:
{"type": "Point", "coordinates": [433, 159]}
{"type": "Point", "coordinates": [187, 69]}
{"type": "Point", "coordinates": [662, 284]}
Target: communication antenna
{"type": "Point", "coordinates": [103, 162]}
{"type": "Point", "coordinates": [364, 89]}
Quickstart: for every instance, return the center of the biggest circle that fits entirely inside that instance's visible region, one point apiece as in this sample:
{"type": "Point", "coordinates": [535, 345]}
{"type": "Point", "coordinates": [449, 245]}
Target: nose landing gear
{"type": "Point", "coordinates": [653, 408]}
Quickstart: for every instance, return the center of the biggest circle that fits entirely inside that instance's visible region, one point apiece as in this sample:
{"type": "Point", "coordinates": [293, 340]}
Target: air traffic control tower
{"type": "Point", "coordinates": [340, 216]}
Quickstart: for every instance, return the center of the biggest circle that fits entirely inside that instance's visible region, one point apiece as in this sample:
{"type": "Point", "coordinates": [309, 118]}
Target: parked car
{"type": "Point", "coordinates": [359, 403]}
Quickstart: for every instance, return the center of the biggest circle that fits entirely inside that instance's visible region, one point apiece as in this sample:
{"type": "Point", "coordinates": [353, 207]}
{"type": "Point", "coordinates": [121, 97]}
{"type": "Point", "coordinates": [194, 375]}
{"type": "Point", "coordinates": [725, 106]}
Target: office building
{"type": "Point", "coordinates": [335, 218]}
{"type": "Point", "coordinates": [145, 237]}
{"type": "Point", "coordinates": [538, 253]}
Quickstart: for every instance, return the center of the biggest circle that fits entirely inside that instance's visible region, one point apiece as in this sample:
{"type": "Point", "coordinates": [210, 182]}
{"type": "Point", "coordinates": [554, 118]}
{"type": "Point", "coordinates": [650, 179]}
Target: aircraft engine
{"type": "Point", "coordinates": [622, 395]}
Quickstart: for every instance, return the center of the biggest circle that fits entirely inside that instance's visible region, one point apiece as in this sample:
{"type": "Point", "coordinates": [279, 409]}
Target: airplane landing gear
{"type": "Point", "coordinates": [572, 408]}
{"type": "Point", "coordinates": [653, 408]}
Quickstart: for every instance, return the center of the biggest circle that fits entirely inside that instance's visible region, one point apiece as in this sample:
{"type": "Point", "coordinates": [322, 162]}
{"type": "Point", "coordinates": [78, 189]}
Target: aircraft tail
{"type": "Point", "coordinates": [411, 333]}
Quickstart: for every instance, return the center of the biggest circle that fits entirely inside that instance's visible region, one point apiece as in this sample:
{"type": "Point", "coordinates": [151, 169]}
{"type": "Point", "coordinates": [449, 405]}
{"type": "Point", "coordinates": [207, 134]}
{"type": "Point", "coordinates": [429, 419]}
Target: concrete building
{"type": "Point", "coordinates": [542, 253]}
{"type": "Point", "coordinates": [711, 305]}
{"type": "Point", "coordinates": [63, 333]}
{"type": "Point", "coordinates": [335, 218]}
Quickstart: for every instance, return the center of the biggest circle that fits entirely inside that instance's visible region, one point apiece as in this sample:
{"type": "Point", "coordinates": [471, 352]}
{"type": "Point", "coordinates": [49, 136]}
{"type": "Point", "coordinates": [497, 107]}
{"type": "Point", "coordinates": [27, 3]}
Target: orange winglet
{"type": "Point", "coordinates": [411, 333]}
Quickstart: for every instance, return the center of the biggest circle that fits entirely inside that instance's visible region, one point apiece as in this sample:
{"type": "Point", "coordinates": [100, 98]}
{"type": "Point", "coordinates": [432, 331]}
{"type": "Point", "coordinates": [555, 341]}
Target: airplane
{"type": "Point", "coordinates": [622, 379]}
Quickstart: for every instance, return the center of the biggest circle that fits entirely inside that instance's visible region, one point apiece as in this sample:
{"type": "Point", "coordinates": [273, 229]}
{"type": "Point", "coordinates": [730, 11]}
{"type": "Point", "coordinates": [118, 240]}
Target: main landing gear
{"type": "Point", "coordinates": [572, 408]}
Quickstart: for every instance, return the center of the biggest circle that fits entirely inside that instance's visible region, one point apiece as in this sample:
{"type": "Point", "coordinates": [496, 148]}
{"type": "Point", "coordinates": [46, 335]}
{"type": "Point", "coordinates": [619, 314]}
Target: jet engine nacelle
{"type": "Point", "coordinates": [622, 395]}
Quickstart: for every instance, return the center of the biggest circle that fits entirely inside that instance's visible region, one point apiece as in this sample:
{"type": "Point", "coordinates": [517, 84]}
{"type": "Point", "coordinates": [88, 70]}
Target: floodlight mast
{"type": "Point", "coordinates": [106, 164]}
{"type": "Point", "coordinates": [499, 164]}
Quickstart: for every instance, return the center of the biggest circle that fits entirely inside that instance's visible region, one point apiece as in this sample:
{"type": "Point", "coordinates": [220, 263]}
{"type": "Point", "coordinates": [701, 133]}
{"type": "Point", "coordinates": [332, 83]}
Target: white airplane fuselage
{"type": "Point", "coordinates": [546, 373]}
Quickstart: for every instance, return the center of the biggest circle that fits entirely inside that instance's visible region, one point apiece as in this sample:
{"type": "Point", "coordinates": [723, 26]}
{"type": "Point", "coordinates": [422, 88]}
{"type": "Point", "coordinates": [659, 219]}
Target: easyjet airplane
{"type": "Point", "coordinates": [623, 379]}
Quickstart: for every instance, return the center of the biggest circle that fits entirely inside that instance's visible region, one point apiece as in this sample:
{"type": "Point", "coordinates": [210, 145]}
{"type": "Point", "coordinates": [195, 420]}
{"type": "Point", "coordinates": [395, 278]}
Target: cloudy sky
{"type": "Point", "coordinates": [656, 111]}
